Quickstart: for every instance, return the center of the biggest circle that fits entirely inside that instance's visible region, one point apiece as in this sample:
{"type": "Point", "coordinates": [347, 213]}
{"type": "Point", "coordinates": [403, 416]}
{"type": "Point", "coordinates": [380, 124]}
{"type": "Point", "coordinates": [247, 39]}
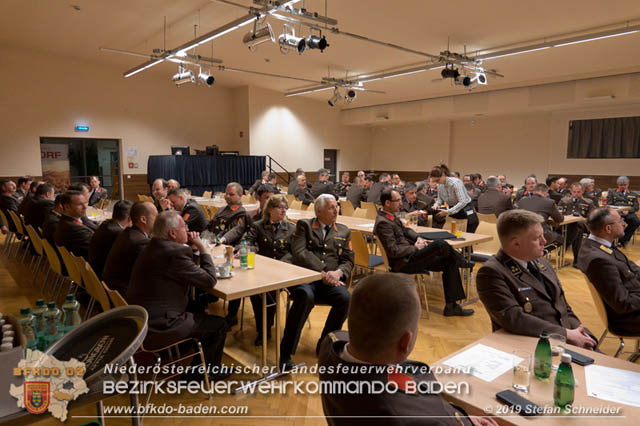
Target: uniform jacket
{"type": "Point", "coordinates": [615, 197]}
{"type": "Point", "coordinates": [398, 240]}
{"type": "Point", "coordinates": [49, 226]}
{"type": "Point", "coordinates": [518, 302]}
{"type": "Point", "coordinates": [576, 206]}
{"type": "Point", "coordinates": [494, 202]}
{"type": "Point", "coordinates": [74, 236]}
{"type": "Point", "coordinates": [267, 242]}
{"type": "Point", "coordinates": [100, 193]}
{"type": "Point", "coordinates": [37, 212]}
{"type": "Point", "coordinates": [91, 224]}
{"type": "Point", "coordinates": [618, 282]}
{"type": "Point", "coordinates": [373, 196]}
{"type": "Point", "coordinates": [231, 223]}
{"type": "Point", "coordinates": [101, 244]}
{"type": "Point", "coordinates": [341, 188]}
{"type": "Point", "coordinates": [594, 196]}
{"type": "Point", "coordinates": [25, 202]}
{"type": "Point", "coordinates": [255, 186]}
{"type": "Point", "coordinates": [303, 193]}
{"type": "Point", "coordinates": [555, 195]}
{"type": "Point", "coordinates": [8, 202]}
{"type": "Point", "coordinates": [194, 216]}
{"type": "Point", "coordinates": [311, 251]}
{"type": "Point", "coordinates": [398, 408]}
{"type": "Point", "coordinates": [327, 187]}
{"type": "Point", "coordinates": [546, 208]}
{"type": "Point", "coordinates": [523, 193]}
{"type": "Point", "coordinates": [356, 194]}
{"type": "Point", "coordinates": [417, 205]}
{"type": "Point", "coordinates": [161, 281]}
{"type": "Point", "coordinates": [122, 256]}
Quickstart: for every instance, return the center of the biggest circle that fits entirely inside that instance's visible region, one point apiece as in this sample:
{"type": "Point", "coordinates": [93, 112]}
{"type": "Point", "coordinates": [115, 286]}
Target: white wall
{"type": "Point", "coordinates": [45, 95]}
{"type": "Point", "coordinates": [295, 131]}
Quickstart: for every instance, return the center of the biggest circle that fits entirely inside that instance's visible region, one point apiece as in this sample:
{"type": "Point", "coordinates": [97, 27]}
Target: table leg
{"type": "Point", "coordinates": [468, 275]}
{"type": "Point", "coordinates": [564, 245]}
{"type": "Point", "coordinates": [264, 329]}
{"type": "Point", "coordinates": [278, 293]}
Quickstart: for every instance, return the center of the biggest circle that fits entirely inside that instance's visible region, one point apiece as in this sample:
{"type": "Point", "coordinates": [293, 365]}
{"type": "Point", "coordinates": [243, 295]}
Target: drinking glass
{"type": "Point", "coordinates": [251, 258]}
{"type": "Point", "coordinates": [522, 368]}
{"type": "Point", "coordinates": [557, 342]}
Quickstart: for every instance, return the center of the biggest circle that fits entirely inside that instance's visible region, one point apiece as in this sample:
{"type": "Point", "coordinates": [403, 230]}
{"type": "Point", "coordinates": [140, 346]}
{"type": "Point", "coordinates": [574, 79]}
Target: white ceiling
{"type": "Point", "coordinates": [55, 26]}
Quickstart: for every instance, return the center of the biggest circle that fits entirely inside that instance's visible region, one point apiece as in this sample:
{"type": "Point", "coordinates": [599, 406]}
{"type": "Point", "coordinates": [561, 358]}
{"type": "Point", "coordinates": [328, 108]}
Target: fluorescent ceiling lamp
{"type": "Point", "coordinates": [142, 68]}
{"type": "Point", "coordinates": [502, 55]}
{"type": "Point", "coordinates": [305, 91]}
{"type": "Point", "coordinates": [595, 38]}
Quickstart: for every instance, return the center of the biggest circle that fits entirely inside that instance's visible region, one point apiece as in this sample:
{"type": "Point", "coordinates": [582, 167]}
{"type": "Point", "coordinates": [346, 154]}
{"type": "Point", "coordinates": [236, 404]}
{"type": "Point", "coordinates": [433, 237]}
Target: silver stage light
{"type": "Point", "coordinates": [315, 42]}
{"type": "Point", "coordinates": [289, 41]}
{"type": "Point", "coordinates": [350, 96]}
{"type": "Point", "coordinates": [257, 36]}
{"type": "Point", "coordinates": [182, 77]}
{"type": "Point", "coordinates": [336, 98]}
{"type": "Point", "coordinates": [206, 78]}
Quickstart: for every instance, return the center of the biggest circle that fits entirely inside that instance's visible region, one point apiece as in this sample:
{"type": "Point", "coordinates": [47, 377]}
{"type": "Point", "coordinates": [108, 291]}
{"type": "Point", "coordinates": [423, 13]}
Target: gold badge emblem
{"type": "Point", "coordinates": [606, 249]}
{"type": "Point", "coordinates": [528, 307]}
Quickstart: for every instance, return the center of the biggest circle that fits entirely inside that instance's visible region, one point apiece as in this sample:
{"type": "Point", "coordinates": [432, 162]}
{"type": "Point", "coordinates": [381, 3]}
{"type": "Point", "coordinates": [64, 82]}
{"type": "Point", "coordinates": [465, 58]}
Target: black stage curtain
{"type": "Point", "coordinates": [202, 173]}
{"type": "Point", "coordinates": [604, 138]}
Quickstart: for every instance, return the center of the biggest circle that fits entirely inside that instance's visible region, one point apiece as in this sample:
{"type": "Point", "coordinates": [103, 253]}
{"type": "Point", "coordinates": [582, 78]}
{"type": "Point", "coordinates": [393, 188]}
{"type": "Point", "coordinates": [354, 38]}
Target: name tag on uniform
{"type": "Point", "coordinates": [470, 212]}
{"type": "Point", "coordinates": [524, 288]}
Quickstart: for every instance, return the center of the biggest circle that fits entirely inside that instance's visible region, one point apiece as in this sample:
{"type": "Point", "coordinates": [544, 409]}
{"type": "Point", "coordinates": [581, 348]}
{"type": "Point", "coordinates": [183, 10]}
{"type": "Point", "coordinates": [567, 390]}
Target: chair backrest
{"type": "Point", "coordinates": [368, 206]}
{"type": "Point", "coordinates": [489, 247]}
{"type": "Point", "coordinates": [346, 208]}
{"type": "Point", "coordinates": [461, 224]}
{"type": "Point", "coordinates": [17, 222]}
{"type": "Point", "coordinates": [71, 266]}
{"type": "Point", "coordinates": [36, 241]}
{"type": "Point", "coordinates": [141, 197]}
{"type": "Point", "coordinates": [247, 199]}
{"type": "Point", "coordinates": [359, 212]}
{"type": "Point", "coordinates": [205, 211]}
{"type": "Point", "coordinates": [371, 214]}
{"type": "Point", "coordinates": [290, 198]}
{"type": "Point", "coordinates": [212, 211]}
{"type": "Point", "coordinates": [296, 205]}
{"type": "Point", "coordinates": [491, 218]}
{"type": "Point", "coordinates": [206, 194]}
{"type": "Point", "coordinates": [284, 189]}
{"type": "Point", "coordinates": [5, 221]}
{"type": "Point", "coordinates": [114, 296]}
{"type": "Point", "coordinates": [385, 258]}
{"type": "Point", "coordinates": [52, 257]}
{"type": "Point", "coordinates": [597, 300]}
{"type": "Point", "coordinates": [94, 286]}
{"type": "Point", "coordinates": [360, 249]}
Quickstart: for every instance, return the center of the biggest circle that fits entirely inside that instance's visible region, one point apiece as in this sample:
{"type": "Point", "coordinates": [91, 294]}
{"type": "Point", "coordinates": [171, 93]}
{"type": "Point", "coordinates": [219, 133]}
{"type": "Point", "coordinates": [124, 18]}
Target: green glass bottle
{"type": "Point", "coordinates": [243, 254]}
{"type": "Point", "coordinates": [563, 391]}
{"type": "Point", "coordinates": [542, 362]}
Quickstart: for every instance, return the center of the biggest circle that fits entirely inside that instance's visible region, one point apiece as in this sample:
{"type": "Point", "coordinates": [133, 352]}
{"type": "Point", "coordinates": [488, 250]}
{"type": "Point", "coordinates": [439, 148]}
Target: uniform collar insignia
{"type": "Point", "coordinates": [389, 216]}
{"type": "Point", "coordinates": [401, 380]}
{"type": "Point", "coordinates": [606, 249]}
{"type": "Point", "coordinates": [234, 208]}
{"type": "Point", "coordinates": [335, 227]}
{"type": "Point", "coordinates": [513, 266]}
{"type": "Point", "coordinates": [315, 224]}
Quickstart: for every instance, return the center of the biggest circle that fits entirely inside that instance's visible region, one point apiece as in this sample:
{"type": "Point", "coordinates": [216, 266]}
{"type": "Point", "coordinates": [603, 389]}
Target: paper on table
{"type": "Point", "coordinates": [613, 384]}
{"type": "Point", "coordinates": [483, 362]}
{"type": "Point", "coordinates": [367, 225]}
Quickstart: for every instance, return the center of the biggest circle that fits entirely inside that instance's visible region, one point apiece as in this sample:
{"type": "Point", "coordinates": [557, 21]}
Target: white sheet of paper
{"type": "Point", "coordinates": [483, 362]}
{"type": "Point", "coordinates": [367, 225]}
{"type": "Point", "coordinates": [613, 384]}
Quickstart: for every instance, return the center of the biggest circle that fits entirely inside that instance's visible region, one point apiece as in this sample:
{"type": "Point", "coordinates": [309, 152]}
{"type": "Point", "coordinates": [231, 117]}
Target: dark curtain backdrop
{"type": "Point", "coordinates": [605, 138]}
{"type": "Point", "coordinates": [202, 173]}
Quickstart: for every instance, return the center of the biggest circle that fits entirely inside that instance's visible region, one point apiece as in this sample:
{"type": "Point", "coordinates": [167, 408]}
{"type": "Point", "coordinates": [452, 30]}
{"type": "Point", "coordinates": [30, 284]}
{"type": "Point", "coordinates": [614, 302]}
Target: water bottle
{"type": "Point", "coordinates": [39, 323]}
{"type": "Point", "coordinates": [26, 323]}
{"type": "Point", "coordinates": [53, 330]}
{"type": "Point", "coordinates": [563, 391]}
{"type": "Point", "coordinates": [71, 309]}
{"type": "Point", "coordinates": [243, 254]}
{"type": "Point", "coordinates": [542, 362]}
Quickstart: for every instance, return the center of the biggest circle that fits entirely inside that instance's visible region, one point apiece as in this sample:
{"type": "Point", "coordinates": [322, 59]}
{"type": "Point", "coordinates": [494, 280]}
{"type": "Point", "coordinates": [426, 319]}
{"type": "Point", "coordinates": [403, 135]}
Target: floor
{"type": "Point", "coordinates": [438, 337]}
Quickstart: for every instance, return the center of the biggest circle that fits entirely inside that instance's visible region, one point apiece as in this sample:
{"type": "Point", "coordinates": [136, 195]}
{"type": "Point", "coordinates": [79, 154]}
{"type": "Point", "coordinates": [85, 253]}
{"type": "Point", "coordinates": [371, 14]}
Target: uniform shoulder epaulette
{"type": "Point", "coordinates": [513, 267]}
{"type": "Point", "coordinates": [606, 249]}
{"type": "Point", "coordinates": [389, 216]}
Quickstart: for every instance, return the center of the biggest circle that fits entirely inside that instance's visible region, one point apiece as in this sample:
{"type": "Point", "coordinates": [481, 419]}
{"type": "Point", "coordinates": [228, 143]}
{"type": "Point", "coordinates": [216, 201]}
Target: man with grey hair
{"type": "Point", "coordinates": [382, 345]}
{"type": "Point", "coordinates": [357, 193]}
{"type": "Point", "coordinates": [590, 190]}
{"type": "Point", "coordinates": [493, 200]}
{"type": "Point", "coordinates": [323, 185]}
{"type": "Point", "coordinates": [173, 184]}
{"type": "Point", "coordinates": [294, 182]}
{"type": "Point", "coordinates": [540, 203]}
{"type": "Point", "coordinates": [174, 261]}
{"type": "Point", "coordinates": [621, 196]}
{"type": "Point", "coordinates": [616, 278]}
{"type": "Point", "coordinates": [519, 287]}
{"type": "Point", "coordinates": [189, 209]}
{"type": "Point", "coordinates": [302, 191]}
{"type": "Point", "coordinates": [323, 245]}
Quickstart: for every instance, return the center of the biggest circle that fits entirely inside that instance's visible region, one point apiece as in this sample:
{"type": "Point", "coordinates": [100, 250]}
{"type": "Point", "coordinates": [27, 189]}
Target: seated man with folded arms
{"type": "Point", "coordinates": [519, 287]}
{"type": "Point", "coordinates": [106, 235]}
{"type": "Point", "coordinates": [409, 253]}
{"type": "Point", "coordinates": [161, 282]}
{"type": "Point", "coordinates": [71, 232]}
{"type": "Point", "coordinates": [159, 190]}
{"type": "Point", "coordinates": [302, 191]}
{"type": "Point", "coordinates": [190, 211]}
{"type": "Point", "coordinates": [129, 244]}
{"type": "Point", "coordinates": [343, 186]}
{"type": "Point", "coordinates": [322, 245]}
{"type": "Point", "coordinates": [527, 190]}
{"type": "Point", "coordinates": [369, 351]}
{"type": "Point", "coordinates": [616, 278]}
{"type": "Point", "coordinates": [270, 235]}
{"type": "Point", "coordinates": [493, 200]}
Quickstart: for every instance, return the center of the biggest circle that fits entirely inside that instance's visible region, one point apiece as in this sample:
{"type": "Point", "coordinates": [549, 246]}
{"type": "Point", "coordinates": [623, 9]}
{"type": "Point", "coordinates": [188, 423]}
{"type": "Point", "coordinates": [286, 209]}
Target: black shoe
{"type": "Point", "coordinates": [465, 263]}
{"type": "Point", "coordinates": [231, 321]}
{"type": "Point", "coordinates": [455, 310]}
{"type": "Point", "coordinates": [286, 365]}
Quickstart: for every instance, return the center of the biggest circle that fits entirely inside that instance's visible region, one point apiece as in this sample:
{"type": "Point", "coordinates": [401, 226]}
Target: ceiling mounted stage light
{"type": "Point", "coordinates": [288, 41]}
{"type": "Point", "coordinates": [183, 76]}
{"type": "Point", "coordinates": [336, 98]}
{"type": "Point", "coordinates": [450, 72]}
{"type": "Point", "coordinates": [206, 78]}
{"type": "Point", "coordinates": [350, 96]}
{"type": "Point", "coordinates": [316, 42]}
{"type": "Point", "coordinates": [258, 35]}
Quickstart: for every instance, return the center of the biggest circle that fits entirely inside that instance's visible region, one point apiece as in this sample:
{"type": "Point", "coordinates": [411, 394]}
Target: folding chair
{"type": "Point", "coordinates": [10, 234]}
{"type": "Point", "coordinates": [36, 242]}
{"type": "Point", "coordinates": [346, 208]}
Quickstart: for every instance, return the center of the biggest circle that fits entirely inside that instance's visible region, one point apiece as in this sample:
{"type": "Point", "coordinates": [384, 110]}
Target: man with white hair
{"type": "Point", "coordinates": [323, 245]}
{"type": "Point", "coordinates": [190, 211]}
{"type": "Point", "coordinates": [302, 191]}
{"type": "Point", "coordinates": [621, 196]}
{"type": "Point", "coordinates": [590, 192]}
{"type": "Point", "coordinates": [493, 200]}
{"type": "Point", "coordinates": [161, 282]}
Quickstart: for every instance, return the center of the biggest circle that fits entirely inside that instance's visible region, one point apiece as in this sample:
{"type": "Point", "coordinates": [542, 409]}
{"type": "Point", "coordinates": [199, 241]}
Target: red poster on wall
{"type": "Point", "coordinates": [55, 165]}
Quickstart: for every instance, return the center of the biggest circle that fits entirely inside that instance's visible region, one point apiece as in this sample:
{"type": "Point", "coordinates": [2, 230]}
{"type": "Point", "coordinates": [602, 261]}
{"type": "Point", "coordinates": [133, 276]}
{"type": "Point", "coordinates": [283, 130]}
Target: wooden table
{"type": "Point", "coordinates": [481, 398]}
{"type": "Point", "coordinates": [220, 203]}
{"type": "Point", "coordinates": [268, 275]}
{"type": "Point", "coordinates": [563, 228]}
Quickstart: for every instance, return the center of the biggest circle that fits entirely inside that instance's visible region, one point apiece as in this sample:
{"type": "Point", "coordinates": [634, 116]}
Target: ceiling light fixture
{"type": "Point", "coordinates": [259, 35]}
{"type": "Point", "coordinates": [336, 98]}
{"type": "Point", "coordinates": [183, 76]}
{"type": "Point", "coordinates": [316, 42]}
{"type": "Point", "coordinates": [288, 41]}
{"type": "Point", "coordinates": [350, 96]}
{"type": "Point", "coordinates": [206, 78]}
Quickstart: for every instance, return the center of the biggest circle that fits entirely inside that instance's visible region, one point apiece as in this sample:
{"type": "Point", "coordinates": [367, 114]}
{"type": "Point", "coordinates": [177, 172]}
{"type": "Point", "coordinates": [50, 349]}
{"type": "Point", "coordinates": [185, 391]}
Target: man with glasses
{"type": "Point", "coordinates": [616, 278]}
{"type": "Point", "coordinates": [621, 196]}
{"type": "Point", "coordinates": [409, 253]}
